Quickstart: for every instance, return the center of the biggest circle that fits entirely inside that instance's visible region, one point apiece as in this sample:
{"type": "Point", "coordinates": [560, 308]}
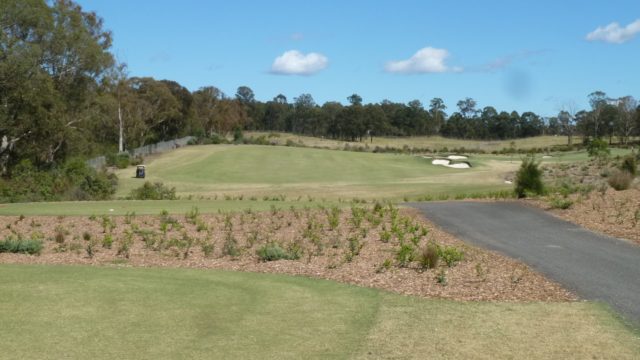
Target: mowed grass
{"type": "Point", "coordinates": [76, 312]}
{"type": "Point", "coordinates": [256, 171]}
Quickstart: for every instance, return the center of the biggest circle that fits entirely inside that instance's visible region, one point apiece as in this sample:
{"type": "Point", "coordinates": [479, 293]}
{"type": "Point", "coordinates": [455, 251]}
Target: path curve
{"type": "Point", "coordinates": [596, 267]}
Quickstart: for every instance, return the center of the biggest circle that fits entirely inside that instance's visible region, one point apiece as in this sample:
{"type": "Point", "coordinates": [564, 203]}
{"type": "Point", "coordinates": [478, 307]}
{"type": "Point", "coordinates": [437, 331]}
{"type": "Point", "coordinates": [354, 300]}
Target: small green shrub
{"type": "Point", "coordinates": [451, 255]}
{"type": "Point", "coordinates": [429, 256]}
{"type": "Point", "coordinates": [405, 255]}
{"type": "Point", "coordinates": [273, 252]}
{"type": "Point", "coordinates": [598, 148]}
{"type": "Point", "coordinates": [21, 246]}
{"type": "Point", "coordinates": [529, 178]}
{"type": "Point", "coordinates": [121, 160]}
{"type": "Point", "coordinates": [207, 249]}
{"type": "Point", "coordinates": [230, 246]}
{"type": "Point", "coordinates": [153, 191]}
{"type": "Point", "coordinates": [630, 165]}
{"type": "Point", "coordinates": [560, 203]}
{"type": "Point", "coordinates": [107, 241]}
{"type": "Point", "coordinates": [620, 180]}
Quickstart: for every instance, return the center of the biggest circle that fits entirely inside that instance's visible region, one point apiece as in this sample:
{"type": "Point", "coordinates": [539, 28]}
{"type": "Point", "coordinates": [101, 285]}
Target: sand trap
{"type": "Point", "coordinates": [508, 182]}
{"type": "Point", "coordinates": [456, 157]}
{"type": "Point", "coordinates": [547, 156]}
{"type": "Point", "coordinates": [459, 166]}
{"type": "Point", "coordinates": [447, 163]}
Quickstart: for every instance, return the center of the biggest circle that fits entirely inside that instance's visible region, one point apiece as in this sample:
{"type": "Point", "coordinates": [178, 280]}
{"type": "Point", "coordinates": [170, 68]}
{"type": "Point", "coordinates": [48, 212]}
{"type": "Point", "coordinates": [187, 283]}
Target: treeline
{"type": "Point", "coordinates": [62, 94]}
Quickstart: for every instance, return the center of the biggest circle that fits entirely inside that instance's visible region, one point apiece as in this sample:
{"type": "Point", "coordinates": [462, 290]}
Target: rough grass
{"type": "Point", "coordinates": [78, 312]}
{"type": "Point", "coordinates": [211, 170]}
{"type": "Point", "coordinates": [431, 142]}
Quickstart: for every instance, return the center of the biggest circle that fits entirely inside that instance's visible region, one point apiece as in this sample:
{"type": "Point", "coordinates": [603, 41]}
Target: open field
{"type": "Point", "coordinates": [257, 171]}
{"type": "Point", "coordinates": [78, 312]}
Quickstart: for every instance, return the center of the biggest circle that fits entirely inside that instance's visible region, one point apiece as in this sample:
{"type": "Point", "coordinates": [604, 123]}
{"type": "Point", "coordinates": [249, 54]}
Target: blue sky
{"type": "Point", "coordinates": [524, 56]}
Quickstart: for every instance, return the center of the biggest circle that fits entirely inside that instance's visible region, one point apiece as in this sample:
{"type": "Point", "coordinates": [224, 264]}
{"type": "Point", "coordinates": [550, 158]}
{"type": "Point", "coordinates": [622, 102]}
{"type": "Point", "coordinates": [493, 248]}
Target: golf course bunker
{"type": "Point", "coordinates": [457, 157]}
{"type": "Point", "coordinates": [448, 163]}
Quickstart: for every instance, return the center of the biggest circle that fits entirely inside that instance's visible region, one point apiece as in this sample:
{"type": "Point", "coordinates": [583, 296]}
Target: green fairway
{"type": "Point", "coordinates": [77, 312]}
{"type": "Point", "coordinates": [264, 170]}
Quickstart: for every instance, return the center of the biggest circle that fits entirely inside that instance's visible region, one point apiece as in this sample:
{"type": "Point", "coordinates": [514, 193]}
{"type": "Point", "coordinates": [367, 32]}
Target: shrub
{"type": "Point", "coordinates": [598, 148]}
{"type": "Point", "coordinates": [273, 252]}
{"type": "Point", "coordinates": [19, 245]}
{"type": "Point", "coordinates": [430, 255]}
{"type": "Point", "coordinates": [230, 246]}
{"type": "Point", "coordinates": [119, 160]}
{"type": "Point", "coordinates": [107, 241]}
{"type": "Point", "coordinates": [630, 165]}
{"type": "Point", "coordinates": [561, 203]}
{"type": "Point", "coordinates": [529, 178]}
{"type": "Point", "coordinates": [620, 180]}
{"type": "Point", "coordinates": [238, 136]}
{"type": "Point", "coordinates": [153, 191]}
{"type": "Point", "coordinates": [207, 249]}
{"type": "Point", "coordinates": [405, 255]}
{"type": "Point", "coordinates": [451, 255]}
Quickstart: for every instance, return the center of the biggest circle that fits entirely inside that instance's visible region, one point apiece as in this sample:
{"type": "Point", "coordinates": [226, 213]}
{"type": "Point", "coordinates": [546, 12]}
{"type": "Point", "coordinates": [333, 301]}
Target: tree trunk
{"type": "Point", "coordinates": [121, 130]}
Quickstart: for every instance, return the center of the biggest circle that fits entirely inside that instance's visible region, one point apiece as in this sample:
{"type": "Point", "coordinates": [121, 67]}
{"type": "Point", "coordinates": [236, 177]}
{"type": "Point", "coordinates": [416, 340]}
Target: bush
{"type": "Point", "coordinates": [430, 255]}
{"type": "Point", "coordinates": [273, 252]}
{"type": "Point", "coordinates": [630, 165]}
{"type": "Point", "coordinates": [598, 148]}
{"type": "Point", "coordinates": [620, 180]}
{"type": "Point", "coordinates": [238, 136]}
{"type": "Point", "coordinates": [405, 255]}
{"type": "Point", "coordinates": [561, 203]}
{"type": "Point", "coordinates": [451, 255]}
{"type": "Point", "coordinates": [19, 245]}
{"type": "Point", "coordinates": [75, 180]}
{"type": "Point", "coordinates": [153, 191]}
{"type": "Point", "coordinates": [119, 160]}
{"type": "Point", "coordinates": [529, 178]}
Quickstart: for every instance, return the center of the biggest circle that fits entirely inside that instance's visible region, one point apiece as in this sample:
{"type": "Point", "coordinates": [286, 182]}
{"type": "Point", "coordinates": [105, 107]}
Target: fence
{"type": "Point", "coordinates": [157, 148]}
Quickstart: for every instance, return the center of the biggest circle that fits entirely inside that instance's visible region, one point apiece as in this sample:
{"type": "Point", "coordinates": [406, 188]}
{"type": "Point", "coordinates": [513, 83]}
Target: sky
{"type": "Point", "coordinates": [539, 56]}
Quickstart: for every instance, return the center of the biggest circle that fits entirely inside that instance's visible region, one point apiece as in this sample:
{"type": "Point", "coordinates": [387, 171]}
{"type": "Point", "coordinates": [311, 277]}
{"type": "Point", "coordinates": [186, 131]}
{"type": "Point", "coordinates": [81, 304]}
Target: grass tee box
{"type": "Point", "coordinates": [76, 312]}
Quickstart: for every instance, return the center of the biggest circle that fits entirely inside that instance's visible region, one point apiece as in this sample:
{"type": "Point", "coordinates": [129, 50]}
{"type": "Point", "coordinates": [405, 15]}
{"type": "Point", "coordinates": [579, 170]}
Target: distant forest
{"type": "Point", "coordinates": [63, 95]}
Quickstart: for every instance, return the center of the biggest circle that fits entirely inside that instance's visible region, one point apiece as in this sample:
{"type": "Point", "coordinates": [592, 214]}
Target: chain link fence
{"type": "Point", "coordinates": [157, 148]}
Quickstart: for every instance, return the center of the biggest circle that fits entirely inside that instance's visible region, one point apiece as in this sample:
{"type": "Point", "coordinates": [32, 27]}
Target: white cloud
{"type": "Point", "coordinates": [615, 34]}
{"type": "Point", "coordinates": [293, 62]}
{"type": "Point", "coordinates": [426, 60]}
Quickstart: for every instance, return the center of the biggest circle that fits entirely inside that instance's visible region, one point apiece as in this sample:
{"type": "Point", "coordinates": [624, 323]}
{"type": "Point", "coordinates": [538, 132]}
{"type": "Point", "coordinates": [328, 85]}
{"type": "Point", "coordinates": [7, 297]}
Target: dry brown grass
{"type": "Point", "coordinates": [431, 142]}
{"type": "Point", "coordinates": [408, 329]}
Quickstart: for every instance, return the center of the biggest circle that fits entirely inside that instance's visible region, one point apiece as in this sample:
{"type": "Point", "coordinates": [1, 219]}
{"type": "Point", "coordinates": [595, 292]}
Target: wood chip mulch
{"type": "Point", "coordinates": [481, 276]}
{"type": "Point", "coordinates": [610, 212]}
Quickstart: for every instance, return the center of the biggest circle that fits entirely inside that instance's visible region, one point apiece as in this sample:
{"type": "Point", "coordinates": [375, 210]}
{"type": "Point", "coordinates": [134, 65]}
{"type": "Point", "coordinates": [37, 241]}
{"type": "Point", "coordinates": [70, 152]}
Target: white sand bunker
{"type": "Point", "coordinates": [547, 156]}
{"type": "Point", "coordinates": [447, 163]}
{"type": "Point", "coordinates": [456, 157]}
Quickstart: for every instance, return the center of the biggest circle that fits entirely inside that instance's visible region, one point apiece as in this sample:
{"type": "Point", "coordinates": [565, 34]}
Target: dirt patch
{"type": "Point", "coordinates": [610, 212]}
{"type": "Point", "coordinates": [358, 246]}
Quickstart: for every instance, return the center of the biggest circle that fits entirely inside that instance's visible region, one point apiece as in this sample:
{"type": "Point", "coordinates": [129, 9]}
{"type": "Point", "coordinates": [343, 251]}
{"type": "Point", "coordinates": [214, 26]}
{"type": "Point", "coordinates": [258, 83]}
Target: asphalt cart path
{"type": "Point", "coordinates": [596, 267]}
